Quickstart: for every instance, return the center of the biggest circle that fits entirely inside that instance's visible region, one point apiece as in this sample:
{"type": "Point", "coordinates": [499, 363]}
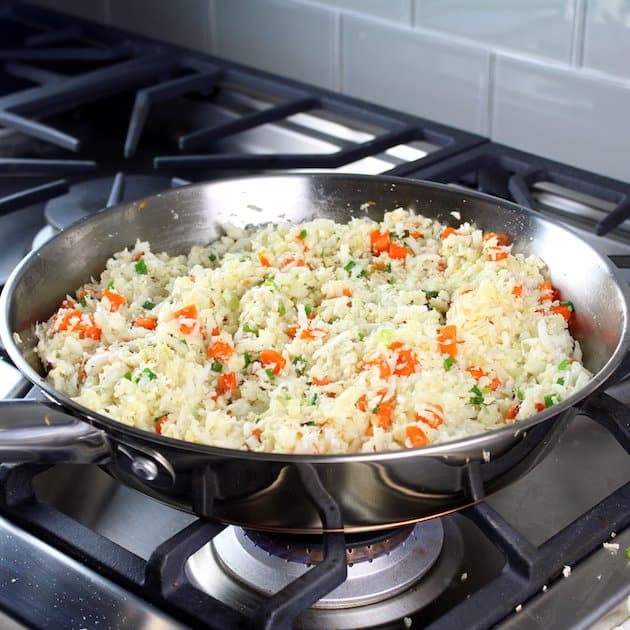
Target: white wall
{"type": "Point", "coordinates": [549, 76]}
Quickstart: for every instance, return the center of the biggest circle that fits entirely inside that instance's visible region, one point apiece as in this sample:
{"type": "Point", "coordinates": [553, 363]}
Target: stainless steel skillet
{"type": "Point", "coordinates": [272, 491]}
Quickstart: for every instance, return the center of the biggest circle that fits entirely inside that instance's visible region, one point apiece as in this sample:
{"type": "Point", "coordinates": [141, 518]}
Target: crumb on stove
{"type": "Point", "coordinates": [486, 456]}
{"type": "Point", "coordinates": [612, 547]}
{"type": "Point", "coordinates": [519, 608]}
{"type": "Point", "coordinates": [464, 576]}
{"type": "Point", "coordinates": [566, 571]}
{"type": "Point", "coordinates": [407, 621]}
{"type": "Point", "coordinates": [544, 588]}
{"type": "Point", "coordinates": [456, 214]}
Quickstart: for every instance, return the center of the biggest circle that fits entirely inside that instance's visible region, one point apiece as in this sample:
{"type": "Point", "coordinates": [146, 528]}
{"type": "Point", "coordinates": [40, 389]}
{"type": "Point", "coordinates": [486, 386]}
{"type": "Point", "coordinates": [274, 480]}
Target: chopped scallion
{"type": "Point", "coordinates": [247, 358]}
{"type": "Point", "coordinates": [148, 305]}
{"type": "Point", "coordinates": [216, 366]}
{"type": "Point", "coordinates": [141, 267]}
{"type": "Point", "coordinates": [563, 365]}
{"type": "Point", "coordinates": [349, 265]}
{"type": "Point", "coordinates": [282, 311]}
{"type": "Point", "coordinates": [448, 363]}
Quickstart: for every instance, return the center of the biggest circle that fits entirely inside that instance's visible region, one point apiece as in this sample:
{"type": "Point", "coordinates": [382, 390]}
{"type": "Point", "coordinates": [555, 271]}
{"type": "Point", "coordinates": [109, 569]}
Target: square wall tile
{"type": "Point", "coordinates": [393, 10]}
{"type": "Point", "coordinates": [539, 27]}
{"type": "Point", "coordinates": [294, 40]}
{"type": "Point", "coordinates": [95, 10]}
{"type": "Point", "coordinates": [415, 72]}
{"type": "Point", "coordinates": [185, 22]}
{"type": "Point", "coordinates": [563, 114]}
{"type": "Point", "coordinates": [607, 37]}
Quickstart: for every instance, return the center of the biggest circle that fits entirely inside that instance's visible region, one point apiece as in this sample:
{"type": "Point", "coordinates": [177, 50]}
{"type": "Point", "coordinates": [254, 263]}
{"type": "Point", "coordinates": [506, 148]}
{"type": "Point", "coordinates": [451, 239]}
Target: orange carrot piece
{"type": "Point", "coordinates": [310, 334]}
{"type": "Point", "coordinates": [397, 252]}
{"type": "Point", "coordinates": [150, 323]}
{"type": "Point", "coordinates": [447, 340]}
{"type": "Point", "coordinates": [226, 382]}
{"type": "Point", "coordinates": [416, 436]}
{"type": "Point", "coordinates": [547, 292]}
{"type": "Point", "coordinates": [188, 312]}
{"type": "Point", "coordinates": [476, 372]}
{"type": "Point", "coordinates": [220, 350]}
{"type": "Point", "coordinates": [379, 241]}
{"type": "Point", "coordinates": [264, 261]}
{"type": "Point", "coordinates": [361, 403]}
{"type": "Point", "coordinates": [159, 423]}
{"type": "Point", "coordinates": [446, 232]}
{"type": "Point", "coordinates": [64, 322]}
{"type": "Point", "coordinates": [273, 359]}
{"type": "Point", "coordinates": [512, 412]}
{"type": "Point", "coordinates": [502, 238]}
{"type": "Point", "coordinates": [433, 417]}
{"type": "Point", "coordinates": [497, 253]}
{"type": "Point", "coordinates": [115, 299]}
{"type": "Point", "coordinates": [380, 362]}
{"type": "Point", "coordinates": [384, 412]}
{"type": "Point", "coordinates": [518, 290]}
{"type": "Point", "coordinates": [563, 310]}
{"type": "Point", "coordinates": [540, 406]}
{"type": "Point", "coordinates": [322, 381]}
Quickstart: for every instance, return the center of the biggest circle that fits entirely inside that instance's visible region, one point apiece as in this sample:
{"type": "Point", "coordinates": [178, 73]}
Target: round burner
{"type": "Point", "coordinates": [390, 574]}
{"type": "Point", "coordinates": [89, 197]}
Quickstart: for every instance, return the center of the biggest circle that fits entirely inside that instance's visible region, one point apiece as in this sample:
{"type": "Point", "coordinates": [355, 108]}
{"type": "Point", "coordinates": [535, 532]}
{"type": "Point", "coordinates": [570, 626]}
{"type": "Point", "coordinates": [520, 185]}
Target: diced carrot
{"type": "Point", "coordinates": [384, 412]}
{"type": "Point", "coordinates": [68, 303]}
{"type": "Point", "coordinates": [72, 316]}
{"type": "Point", "coordinates": [502, 238]}
{"type": "Point", "coordinates": [518, 290]}
{"type": "Point", "coordinates": [159, 423]}
{"type": "Point", "coordinates": [361, 403]}
{"type": "Point", "coordinates": [257, 433]}
{"type": "Point", "coordinates": [379, 265]}
{"type": "Point", "coordinates": [464, 291]}
{"type": "Point", "coordinates": [397, 252]}
{"type": "Point", "coordinates": [476, 372]}
{"type": "Point", "coordinates": [115, 299]}
{"type": "Point", "coordinates": [446, 232]}
{"type": "Point", "coordinates": [540, 406]}
{"type": "Point", "coordinates": [292, 330]}
{"type": "Point", "coordinates": [299, 262]}
{"type": "Point", "coordinates": [322, 381]}
{"type": "Point", "coordinates": [379, 241]}
{"type": "Point", "coordinates": [494, 383]}
{"type": "Point", "coordinates": [497, 253]}
{"type": "Point", "coordinates": [310, 334]}
{"type": "Point", "coordinates": [215, 331]}
{"type": "Point", "coordinates": [92, 332]}
{"type": "Point", "coordinates": [380, 362]}
{"type": "Point", "coordinates": [273, 359]}
{"type": "Point", "coordinates": [406, 362]}
{"type": "Point", "coordinates": [447, 340]}
{"type": "Point", "coordinates": [226, 382]}
{"type": "Point", "coordinates": [150, 323]}
{"type": "Point", "coordinates": [262, 257]}
{"type": "Point", "coordinates": [138, 256]}
{"type": "Point", "coordinates": [416, 436]}
{"type": "Point", "coordinates": [441, 264]}
{"type": "Point", "coordinates": [563, 310]}
{"type": "Point", "coordinates": [188, 312]}
{"type": "Point", "coordinates": [512, 412]}
{"type": "Point", "coordinates": [347, 292]}
{"type": "Point", "coordinates": [547, 292]}
{"type": "Point", "coordinates": [415, 234]}
{"type": "Point", "coordinates": [370, 430]}
{"type": "Point", "coordinates": [220, 350]}
{"type": "Point", "coordinates": [433, 416]}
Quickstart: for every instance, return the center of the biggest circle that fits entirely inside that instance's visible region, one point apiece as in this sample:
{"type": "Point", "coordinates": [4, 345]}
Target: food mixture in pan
{"type": "Point", "coordinates": [319, 338]}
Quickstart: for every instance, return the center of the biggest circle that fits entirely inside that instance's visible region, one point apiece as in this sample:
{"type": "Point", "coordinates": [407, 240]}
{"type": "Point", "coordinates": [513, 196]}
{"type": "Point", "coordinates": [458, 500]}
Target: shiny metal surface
{"type": "Point", "coordinates": [373, 490]}
{"type": "Point", "coordinates": [43, 588]}
{"type": "Point", "coordinates": [206, 572]}
{"type": "Point", "coordinates": [368, 581]}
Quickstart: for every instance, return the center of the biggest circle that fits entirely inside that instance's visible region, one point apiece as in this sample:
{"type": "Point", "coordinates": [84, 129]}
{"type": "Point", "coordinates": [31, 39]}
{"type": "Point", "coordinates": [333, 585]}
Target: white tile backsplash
{"type": "Point", "coordinates": [564, 114]}
{"type": "Point", "coordinates": [392, 10]}
{"type": "Point", "coordinates": [415, 72]}
{"type": "Point", "coordinates": [536, 27]}
{"type": "Point", "coordinates": [607, 37]}
{"type": "Point", "coordinates": [295, 40]}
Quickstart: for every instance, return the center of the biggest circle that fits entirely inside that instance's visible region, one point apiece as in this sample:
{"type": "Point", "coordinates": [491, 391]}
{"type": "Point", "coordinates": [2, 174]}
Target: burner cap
{"type": "Point", "coordinates": [89, 197]}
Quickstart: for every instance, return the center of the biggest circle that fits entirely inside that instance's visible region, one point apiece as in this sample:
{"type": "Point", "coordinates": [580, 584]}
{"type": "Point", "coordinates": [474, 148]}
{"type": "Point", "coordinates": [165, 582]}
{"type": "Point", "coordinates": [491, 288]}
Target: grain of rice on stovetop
{"type": "Point", "coordinates": [319, 337]}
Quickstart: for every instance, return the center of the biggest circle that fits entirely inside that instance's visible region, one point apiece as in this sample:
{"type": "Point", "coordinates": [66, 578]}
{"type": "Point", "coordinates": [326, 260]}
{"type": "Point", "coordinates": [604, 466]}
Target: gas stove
{"type": "Point", "coordinates": [91, 117]}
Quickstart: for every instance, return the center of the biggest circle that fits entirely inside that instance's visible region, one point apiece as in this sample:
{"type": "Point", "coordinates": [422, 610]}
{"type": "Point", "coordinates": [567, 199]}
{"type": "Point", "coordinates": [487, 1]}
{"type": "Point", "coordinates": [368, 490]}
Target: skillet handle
{"type": "Point", "coordinates": [43, 433]}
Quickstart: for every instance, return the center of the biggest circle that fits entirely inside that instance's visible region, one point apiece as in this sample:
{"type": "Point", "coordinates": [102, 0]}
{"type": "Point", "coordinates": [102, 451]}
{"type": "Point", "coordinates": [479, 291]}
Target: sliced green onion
{"type": "Point", "coordinates": [282, 311]}
{"type": "Point", "coordinates": [148, 372]}
{"type": "Point", "coordinates": [477, 399]}
{"type": "Point", "coordinates": [349, 265]}
{"type": "Point", "coordinates": [569, 304]}
{"type": "Point", "coordinates": [303, 234]}
{"type": "Point", "coordinates": [311, 423]}
{"type": "Point", "coordinates": [388, 267]}
{"type": "Point", "coordinates": [628, 552]}
{"type": "Point", "coordinates": [449, 362]}
{"type": "Point", "coordinates": [300, 365]}
{"type": "Point", "coordinates": [406, 234]}
{"type": "Point", "coordinates": [560, 381]}
{"type": "Point", "coordinates": [216, 366]}
{"type": "Point", "coordinates": [250, 329]}
{"type": "Point", "coordinates": [376, 409]}
{"type": "Point", "coordinates": [520, 394]}
{"type": "Point", "coordinates": [83, 301]}
{"type": "Point", "coordinates": [247, 358]}
{"type": "Point", "coordinates": [212, 258]}
{"type": "Point", "coordinates": [110, 284]}
{"type": "Point", "coordinates": [270, 282]}
{"type": "Point", "coordinates": [270, 374]}
{"type": "Point", "coordinates": [384, 336]}
{"type": "Point", "coordinates": [548, 401]}
{"type": "Point", "coordinates": [308, 310]}
{"type": "Point", "coordinates": [141, 267]}
{"type": "Point", "coordinates": [148, 305]}
{"type": "Point", "coordinates": [127, 375]}
{"type": "Point", "coordinates": [563, 365]}
{"type": "Point", "coordinates": [362, 336]}
{"type": "Point", "coordinates": [431, 294]}
{"type": "Point", "coordinates": [362, 273]}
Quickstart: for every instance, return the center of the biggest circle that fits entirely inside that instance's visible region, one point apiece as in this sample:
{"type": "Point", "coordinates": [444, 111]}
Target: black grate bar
{"type": "Point", "coordinates": [31, 196]}
{"type": "Point", "coordinates": [567, 547]}
{"type": "Point", "coordinates": [39, 130]}
{"type": "Point", "coordinates": [284, 607]}
{"type": "Point", "coordinates": [54, 37]}
{"type": "Point", "coordinates": [60, 54]}
{"type": "Point", "coordinates": [519, 552]}
{"type": "Point", "coordinates": [610, 413]}
{"type": "Point", "coordinates": [32, 73]}
{"type": "Point", "coordinates": [34, 167]}
{"type": "Point", "coordinates": [285, 160]}
{"type": "Point", "coordinates": [117, 192]}
{"type": "Point", "coordinates": [87, 87]}
{"type": "Point", "coordinates": [162, 92]}
{"type": "Point", "coordinates": [277, 112]}
{"type": "Point", "coordinates": [614, 218]}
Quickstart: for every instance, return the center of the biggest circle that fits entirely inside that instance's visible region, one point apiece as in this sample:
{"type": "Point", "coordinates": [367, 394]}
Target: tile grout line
{"type": "Point", "coordinates": [490, 102]}
{"type": "Point", "coordinates": [577, 35]}
{"type": "Point", "coordinates": [412, 14]}
{"type": "Point", "coordinates": [338, 53]}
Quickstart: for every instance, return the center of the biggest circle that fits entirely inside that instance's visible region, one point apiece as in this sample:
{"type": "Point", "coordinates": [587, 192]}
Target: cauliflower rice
{"type": "Point", "coordinates": [318, 338]}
